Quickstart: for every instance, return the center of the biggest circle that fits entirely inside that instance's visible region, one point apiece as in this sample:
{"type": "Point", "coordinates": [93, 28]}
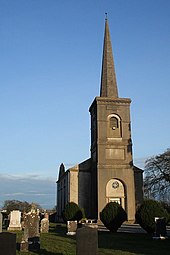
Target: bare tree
{"type": "Point", "coordinates": [157, 177]}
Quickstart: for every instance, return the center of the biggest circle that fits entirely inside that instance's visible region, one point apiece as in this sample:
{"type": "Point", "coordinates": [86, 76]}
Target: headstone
{"type": "Point", "coordinates": [87, 241]}
{"type": "Point", "coordinates": [0, 222]}
{"type": "Point", "coordinates": [15, 220]}
{"type": "Point", "coordinates": [5, 223]}
{"type": "Point", "coordinates": [160, 227]}
{"type": "Point", "coordinates": [24, 244]}
{"type": "Point", "coordinates": [46, 216]}
{"type": "Point", "coordinates": [44, 225]}
{"type": "Point", "coordinates": [31, 238]}
{"type": "Point", "coordinates": [71, 227]}
{"type": "Point", "coordinates": [7, 243]}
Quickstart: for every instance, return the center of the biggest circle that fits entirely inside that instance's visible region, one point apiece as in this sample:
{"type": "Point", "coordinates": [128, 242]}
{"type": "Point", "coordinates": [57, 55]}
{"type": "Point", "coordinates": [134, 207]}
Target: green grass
{"type": "Point", "coordinates": [56, 242]}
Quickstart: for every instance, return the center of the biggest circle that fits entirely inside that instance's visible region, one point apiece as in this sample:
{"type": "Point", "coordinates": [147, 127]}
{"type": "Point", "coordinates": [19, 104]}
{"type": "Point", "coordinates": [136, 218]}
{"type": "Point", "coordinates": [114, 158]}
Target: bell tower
{"type": "Point", "coordinates": [111, 144]}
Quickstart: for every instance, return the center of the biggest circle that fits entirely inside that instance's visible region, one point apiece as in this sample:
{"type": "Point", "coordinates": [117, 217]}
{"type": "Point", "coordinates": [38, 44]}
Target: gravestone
{"type": "Point", "coordinates": [7, 243]}
{"type": "Point", "coordinates": [0, 222]}
{"type": "Point", "coordinates": [46, 216]}
{"type": "Point", "coordinates": [15, 220]}
{"type": "Point", "coordinates": [71, 227]}
{"type": "Point", "coordinates": [44, 225]}
{"type": "Point", "coordinates": [161, 227]}
{"type": "Point", "coordinates": [87, 241]}
{"type": "Point", "coordinates": [31, 237]}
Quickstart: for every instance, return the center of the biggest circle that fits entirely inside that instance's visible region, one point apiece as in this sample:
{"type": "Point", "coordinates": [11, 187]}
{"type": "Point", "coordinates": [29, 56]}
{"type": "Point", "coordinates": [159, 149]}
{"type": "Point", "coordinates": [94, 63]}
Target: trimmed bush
{"type": "Point", "coordinates": [166, 206]}
{"type": "Point", "coordinates": [146, 213]}
{"type": "Point", "coordinates": [72, 212]}
{"type": "Point", "coordinates": [112, 216]}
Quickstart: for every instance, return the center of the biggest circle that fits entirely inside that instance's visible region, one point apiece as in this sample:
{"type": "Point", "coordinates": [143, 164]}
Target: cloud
{"type": "Point", "coordinates": [25, 177]}
{"type": "Point", "coordinates": [30, 188]}
{"type": "Point", "coordinates": [14, 194]}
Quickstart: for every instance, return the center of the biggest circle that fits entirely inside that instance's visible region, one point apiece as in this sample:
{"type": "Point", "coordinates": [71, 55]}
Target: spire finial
{"type": "Point", "coordinates": [105, 15]}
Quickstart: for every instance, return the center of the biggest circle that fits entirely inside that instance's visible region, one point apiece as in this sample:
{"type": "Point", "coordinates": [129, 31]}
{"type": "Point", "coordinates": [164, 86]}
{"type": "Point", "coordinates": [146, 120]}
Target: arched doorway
{"type": "Point", "coordinates": [115, 192]}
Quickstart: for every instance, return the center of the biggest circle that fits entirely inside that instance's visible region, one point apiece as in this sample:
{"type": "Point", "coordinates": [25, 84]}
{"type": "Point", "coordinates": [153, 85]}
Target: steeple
{"type": "Point", "coordinates": [108, 77]}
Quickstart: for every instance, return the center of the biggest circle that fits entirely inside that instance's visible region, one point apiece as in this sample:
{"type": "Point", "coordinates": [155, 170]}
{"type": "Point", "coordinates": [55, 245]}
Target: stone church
{"type": "Point", "coordinates": [109, 174]}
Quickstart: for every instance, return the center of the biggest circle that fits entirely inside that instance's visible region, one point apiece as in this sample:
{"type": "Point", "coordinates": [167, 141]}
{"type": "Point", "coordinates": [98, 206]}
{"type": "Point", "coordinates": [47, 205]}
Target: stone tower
{"type": "Point", "coordinates": [109, 174]}
{"type": "Point", "coordinates": [113, 173]}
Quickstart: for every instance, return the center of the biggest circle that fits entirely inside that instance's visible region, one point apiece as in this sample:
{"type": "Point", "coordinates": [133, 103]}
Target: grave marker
{"type": "Point", "coordinates": [31, 238]}
{"type": "Point", "coordinates": [1, 222]}
{"type": "Point", "coordinates": [15, 220]}
{"type": "Point", "coordinates": [71, 227]}
{"type": "Point", "coordinates": [87, 241]}
{"type": "Point", "coordinates": [7, 243]}
{"type": "Point", "coordinates": [44, 225]}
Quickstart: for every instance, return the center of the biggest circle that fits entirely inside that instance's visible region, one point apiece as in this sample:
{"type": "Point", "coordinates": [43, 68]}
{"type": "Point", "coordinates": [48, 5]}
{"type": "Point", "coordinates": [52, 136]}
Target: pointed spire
{"type": "Point", "coordinates": [61, 170]}
{"type": "Point", "coordinates": [108, 77]}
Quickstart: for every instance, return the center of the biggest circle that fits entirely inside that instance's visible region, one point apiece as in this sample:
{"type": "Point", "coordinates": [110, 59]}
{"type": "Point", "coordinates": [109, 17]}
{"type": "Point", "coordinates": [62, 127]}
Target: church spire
{"type": "Point", "coordinates": [108, 77]}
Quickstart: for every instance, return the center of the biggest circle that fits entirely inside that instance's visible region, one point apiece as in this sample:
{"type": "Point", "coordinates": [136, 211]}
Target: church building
{"type": "Point", "coordinates": [109, 174]}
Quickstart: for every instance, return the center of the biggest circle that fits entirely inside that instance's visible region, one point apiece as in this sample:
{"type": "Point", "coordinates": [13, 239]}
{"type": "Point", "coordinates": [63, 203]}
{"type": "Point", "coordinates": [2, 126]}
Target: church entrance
{"type": "Point", "coordinates": [116, 200]}
{"type": "Point", "coordinates": [115, 192]}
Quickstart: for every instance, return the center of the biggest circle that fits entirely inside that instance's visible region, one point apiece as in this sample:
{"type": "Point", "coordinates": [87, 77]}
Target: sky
{"type": "Point", "coordinates": [50, 71]}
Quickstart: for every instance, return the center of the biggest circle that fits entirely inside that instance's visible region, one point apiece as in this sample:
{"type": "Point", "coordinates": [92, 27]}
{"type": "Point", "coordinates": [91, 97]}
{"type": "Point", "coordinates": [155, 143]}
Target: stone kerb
{"type": "Point", "coordinates": [15, 220]}
{"type": "Point", "coordinates": [7, 243]}
{"type": "Point", "coordinates": [87, 241]}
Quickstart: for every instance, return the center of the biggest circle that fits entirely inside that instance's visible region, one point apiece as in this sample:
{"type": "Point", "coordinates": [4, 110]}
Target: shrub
{"type": "Point", "coordinates": [72, 212]}
{"type": "Point", "coordinates": [166, 206]}
{"type": "Point", "coordinates": [112, 216]}
{"type": "Point", "coordinates": [146, 213]}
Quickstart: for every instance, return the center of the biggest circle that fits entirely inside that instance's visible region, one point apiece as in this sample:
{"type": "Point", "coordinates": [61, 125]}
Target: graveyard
{"type": "Point", "coordinates": [34, 235]}
{"type": "Point", "coordinates": [56, 242]}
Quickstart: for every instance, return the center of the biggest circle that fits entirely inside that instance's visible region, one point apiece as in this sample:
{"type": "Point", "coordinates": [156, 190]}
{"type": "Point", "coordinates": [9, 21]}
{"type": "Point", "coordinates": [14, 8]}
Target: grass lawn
{"type": "Point", "coordinates": [56, 242]}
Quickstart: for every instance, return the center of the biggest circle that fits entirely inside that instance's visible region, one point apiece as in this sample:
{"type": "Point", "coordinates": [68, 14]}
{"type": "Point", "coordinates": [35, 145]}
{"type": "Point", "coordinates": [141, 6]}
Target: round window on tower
{"type": "Point", "coordinates": [115, 185]}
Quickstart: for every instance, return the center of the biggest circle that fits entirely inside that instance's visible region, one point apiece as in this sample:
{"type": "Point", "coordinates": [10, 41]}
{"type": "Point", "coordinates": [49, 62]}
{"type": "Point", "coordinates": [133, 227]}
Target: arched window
{"type": "Point", "coordinates": [114, 126]}
{"type": "Point", "coordinates": [115, 192]}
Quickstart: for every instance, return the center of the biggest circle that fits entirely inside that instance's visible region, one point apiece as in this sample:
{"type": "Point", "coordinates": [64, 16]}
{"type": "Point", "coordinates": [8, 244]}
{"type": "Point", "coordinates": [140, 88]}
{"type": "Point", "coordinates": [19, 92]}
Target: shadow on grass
{"type": "Point", "coordinates": [58, 229]}
{"type": "Point", "coordinates": [56, 242]}
{"type": "Point", "coordinates": [45, 252]}
{"type": "Point", "coordinates": [41, 251]}
{"type": "Point", "coordinates": [134, 243]}
{"type": "Point", "coordinates": [61, 230]}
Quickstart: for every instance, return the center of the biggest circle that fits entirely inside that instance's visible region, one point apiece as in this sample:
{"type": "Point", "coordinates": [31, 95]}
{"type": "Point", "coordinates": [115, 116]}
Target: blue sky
{"type": "Point", "coordinates": [50, 65]}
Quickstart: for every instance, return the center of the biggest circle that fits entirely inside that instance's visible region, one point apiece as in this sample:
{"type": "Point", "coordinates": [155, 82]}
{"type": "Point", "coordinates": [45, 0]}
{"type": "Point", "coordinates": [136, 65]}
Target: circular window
{"type": "Point", "coordinates": [115, 185]}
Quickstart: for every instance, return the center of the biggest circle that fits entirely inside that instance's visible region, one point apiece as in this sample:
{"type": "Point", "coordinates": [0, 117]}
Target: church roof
{"type": "Point", "coordinates": [108, 77]}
